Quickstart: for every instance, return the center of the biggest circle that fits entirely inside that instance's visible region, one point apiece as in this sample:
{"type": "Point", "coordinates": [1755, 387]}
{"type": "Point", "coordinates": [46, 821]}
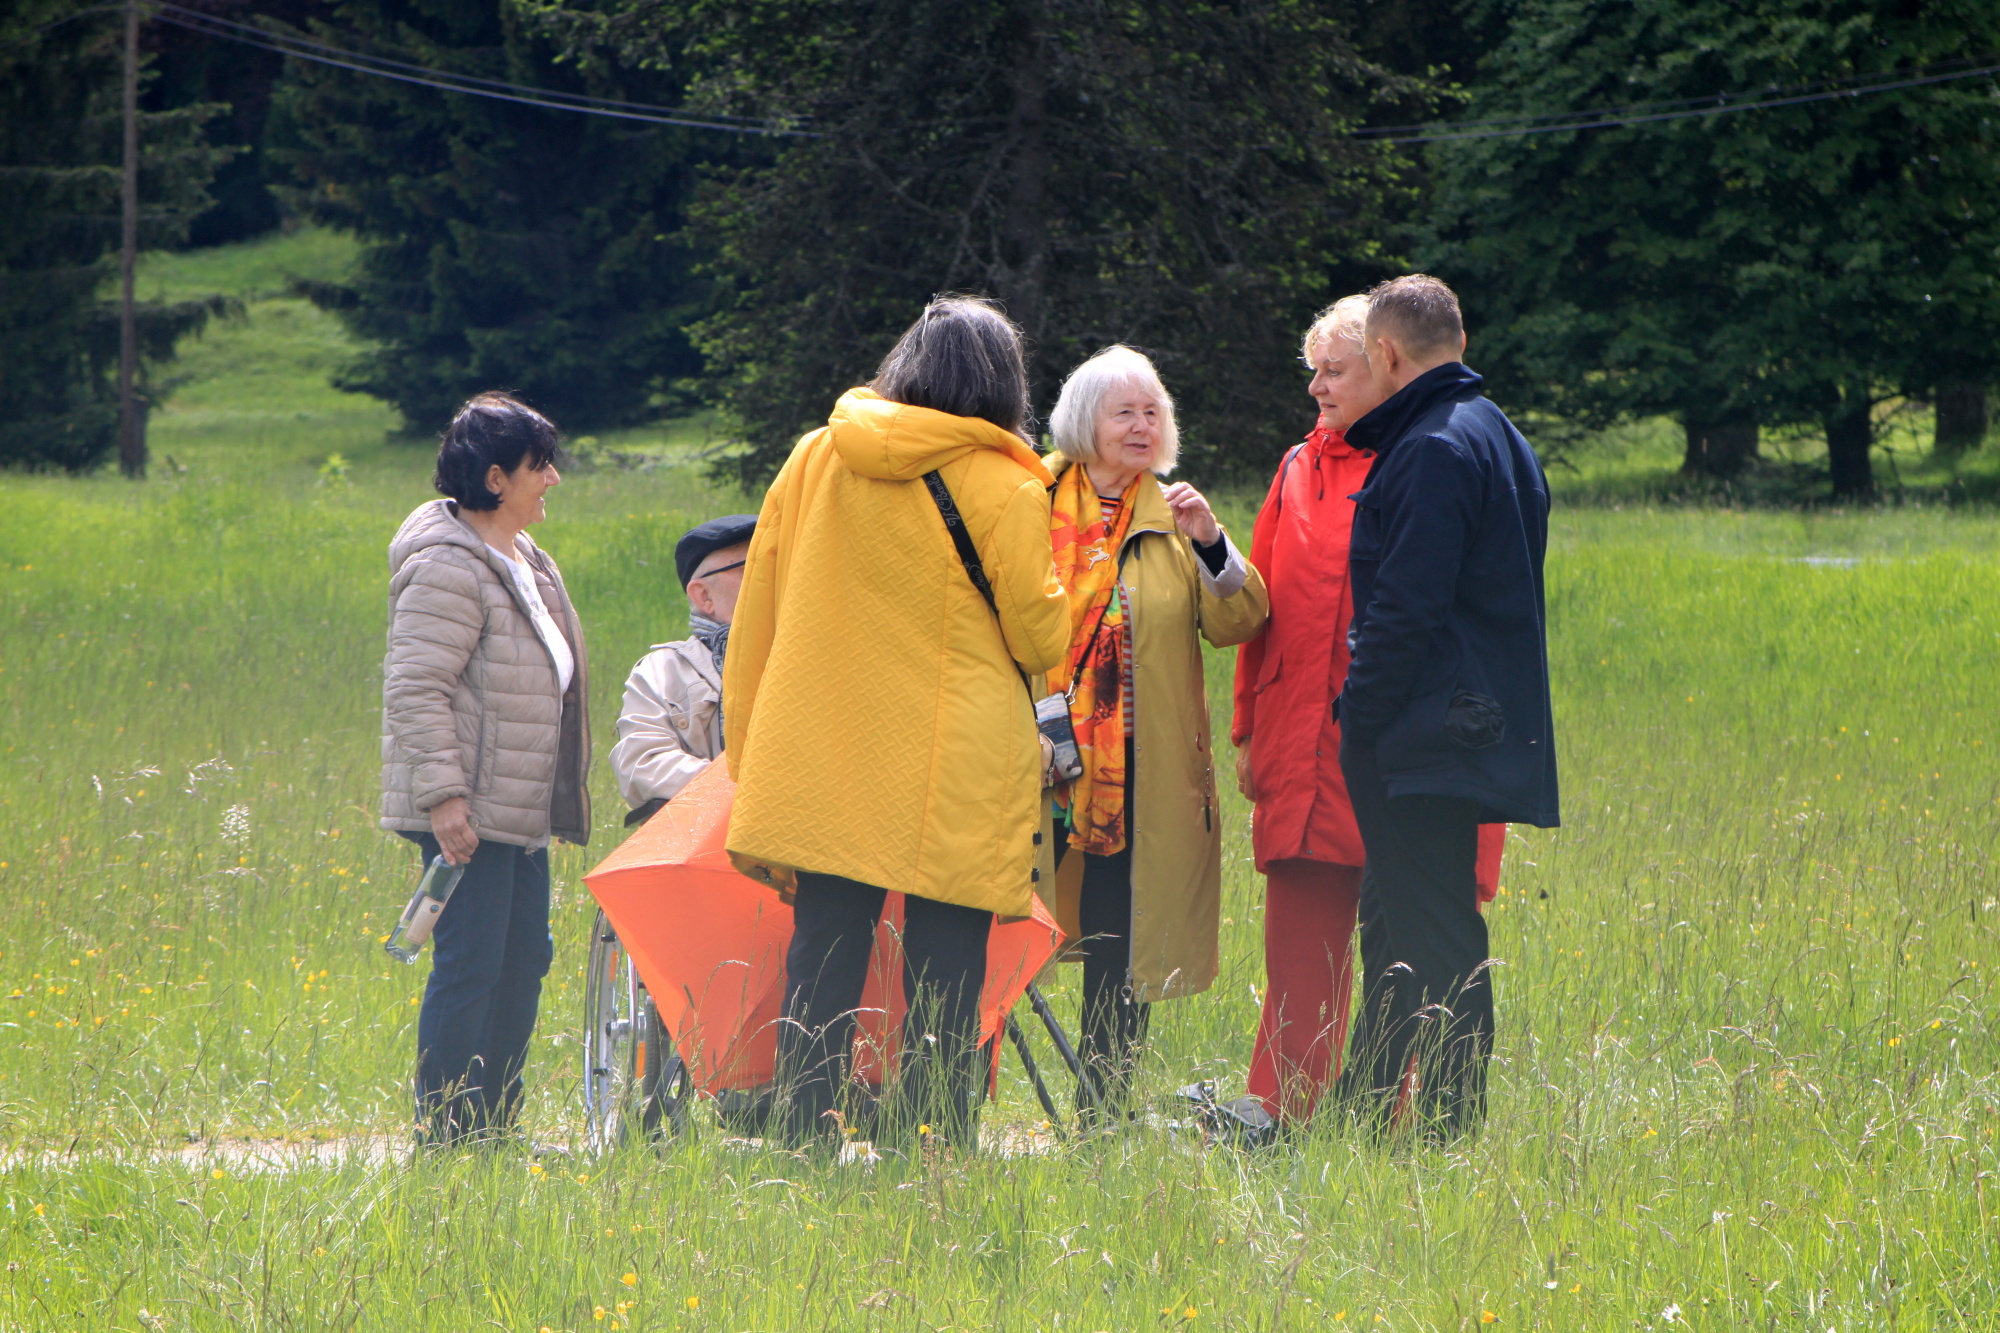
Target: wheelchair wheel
{"type": "Point", "coordinates": [631, 1072]}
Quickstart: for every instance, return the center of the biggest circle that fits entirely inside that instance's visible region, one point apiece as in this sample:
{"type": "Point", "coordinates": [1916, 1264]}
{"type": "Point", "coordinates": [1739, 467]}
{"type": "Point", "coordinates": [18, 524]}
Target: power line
{"type": "Point", "coordinates": [1502, 127]}
{"type": "Point", "coordinates": [1592, 120]}
{"type": "Point", "coordinates": [1705, 100]}
{"type": "Point", "coordinates": [288, 40]}
{"type": "Point", "coordinates": [447, 81]}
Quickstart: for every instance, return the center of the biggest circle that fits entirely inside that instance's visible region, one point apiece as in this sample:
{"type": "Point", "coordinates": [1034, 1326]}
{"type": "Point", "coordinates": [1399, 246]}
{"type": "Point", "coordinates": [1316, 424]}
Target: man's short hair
{"type": "Point", "coordinates": [1417, 311]}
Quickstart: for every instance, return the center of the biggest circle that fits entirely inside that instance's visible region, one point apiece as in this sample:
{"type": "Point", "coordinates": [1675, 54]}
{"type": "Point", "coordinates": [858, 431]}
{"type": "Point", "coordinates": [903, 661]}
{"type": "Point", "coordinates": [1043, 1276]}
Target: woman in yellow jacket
{"type": "Point", "coordinates": [878, 725]}
{"type": "Point", "coordinates": [1148, 569]}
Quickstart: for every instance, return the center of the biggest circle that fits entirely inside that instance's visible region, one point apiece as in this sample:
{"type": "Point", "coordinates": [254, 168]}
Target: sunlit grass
{"type": "Point", "coordinates": [1746, 1067]}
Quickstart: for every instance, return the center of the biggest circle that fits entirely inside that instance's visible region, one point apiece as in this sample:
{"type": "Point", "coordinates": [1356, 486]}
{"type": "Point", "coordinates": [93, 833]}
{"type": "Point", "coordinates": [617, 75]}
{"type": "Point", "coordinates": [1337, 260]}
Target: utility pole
{"type": "Point", "coordinates": [131, 421]}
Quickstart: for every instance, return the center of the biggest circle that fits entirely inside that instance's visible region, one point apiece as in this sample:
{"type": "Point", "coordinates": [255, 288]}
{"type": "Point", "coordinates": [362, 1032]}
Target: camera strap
{"type": "Point", "coordinates": [968, 554]}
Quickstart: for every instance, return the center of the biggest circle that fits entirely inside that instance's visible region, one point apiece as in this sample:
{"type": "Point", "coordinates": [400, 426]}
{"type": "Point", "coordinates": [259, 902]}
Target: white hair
{"type": "Point", "coordinates": [1073, 423]}
{"type": "Point", "coordinates": [1346, 318]}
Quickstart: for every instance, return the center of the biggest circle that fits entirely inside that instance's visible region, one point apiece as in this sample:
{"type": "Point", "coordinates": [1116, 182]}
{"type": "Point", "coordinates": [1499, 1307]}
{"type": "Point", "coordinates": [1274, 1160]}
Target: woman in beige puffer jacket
{"type": "Point", "coordinates": [485, 744]}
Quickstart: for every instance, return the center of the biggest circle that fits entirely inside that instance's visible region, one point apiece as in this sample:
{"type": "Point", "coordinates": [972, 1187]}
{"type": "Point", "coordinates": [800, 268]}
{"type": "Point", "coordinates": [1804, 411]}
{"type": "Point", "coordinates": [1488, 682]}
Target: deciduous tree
{"type": "Point", "coordinates": [1169, 175]}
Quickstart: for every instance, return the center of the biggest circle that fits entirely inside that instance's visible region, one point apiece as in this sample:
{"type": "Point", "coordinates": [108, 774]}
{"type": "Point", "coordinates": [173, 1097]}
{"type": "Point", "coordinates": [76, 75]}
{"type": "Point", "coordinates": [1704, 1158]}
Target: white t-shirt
{"type": "Point", "coordinates": [545, 624]}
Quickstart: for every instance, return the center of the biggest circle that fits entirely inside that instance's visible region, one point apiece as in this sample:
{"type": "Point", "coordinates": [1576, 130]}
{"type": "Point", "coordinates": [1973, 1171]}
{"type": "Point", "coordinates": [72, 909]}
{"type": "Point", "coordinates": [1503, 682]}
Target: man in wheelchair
{"type": "Point", "coordinates": [670, 726]}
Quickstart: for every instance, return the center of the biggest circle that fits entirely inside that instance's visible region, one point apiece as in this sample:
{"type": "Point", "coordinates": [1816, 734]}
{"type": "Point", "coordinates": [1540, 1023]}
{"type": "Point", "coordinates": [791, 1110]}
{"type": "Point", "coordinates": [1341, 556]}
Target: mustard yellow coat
{"type": "Point", "coordinates": [876, 721]}
{"type": "Point", "coordinates": [1175, 819]}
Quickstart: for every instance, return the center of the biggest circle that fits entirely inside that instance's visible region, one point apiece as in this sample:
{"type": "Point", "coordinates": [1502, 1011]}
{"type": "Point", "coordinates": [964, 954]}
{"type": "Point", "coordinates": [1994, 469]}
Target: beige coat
{"type": "Point", "coordinates": [470, 705]}
{"type": "Point", "coordinates": [1175, 819]}
{"type": "Point", "coordinates": [671, 723]}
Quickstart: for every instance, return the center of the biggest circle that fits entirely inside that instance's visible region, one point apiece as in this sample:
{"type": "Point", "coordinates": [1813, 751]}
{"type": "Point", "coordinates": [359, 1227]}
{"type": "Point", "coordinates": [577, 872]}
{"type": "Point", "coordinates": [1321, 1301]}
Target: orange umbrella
{"type": "Point", "coordinates": [710, 944]}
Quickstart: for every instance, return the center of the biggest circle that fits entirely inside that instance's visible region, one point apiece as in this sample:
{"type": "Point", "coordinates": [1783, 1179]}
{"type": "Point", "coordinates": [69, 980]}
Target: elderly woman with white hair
{"type": "Point", "coordinates": [1139, 837]}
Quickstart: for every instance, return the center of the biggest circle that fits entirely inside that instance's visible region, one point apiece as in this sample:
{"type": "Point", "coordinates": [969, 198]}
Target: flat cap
{"type": "Point", "coordinates": [710, 537]}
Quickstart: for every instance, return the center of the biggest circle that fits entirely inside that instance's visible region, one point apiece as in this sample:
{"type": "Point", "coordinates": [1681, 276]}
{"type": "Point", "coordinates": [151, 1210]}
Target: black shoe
{"type": "Point", "coordinates": [1241, 1122]}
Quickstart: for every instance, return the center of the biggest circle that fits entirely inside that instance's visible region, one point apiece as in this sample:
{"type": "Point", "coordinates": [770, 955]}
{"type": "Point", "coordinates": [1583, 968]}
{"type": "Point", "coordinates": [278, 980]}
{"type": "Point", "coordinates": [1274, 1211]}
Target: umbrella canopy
{"type": "Point", "coordinates": [710, 945]}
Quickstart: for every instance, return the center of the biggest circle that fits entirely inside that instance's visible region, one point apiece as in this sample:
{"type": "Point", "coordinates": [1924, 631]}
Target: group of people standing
{"type": "Point", "coordinates": [919, 586]}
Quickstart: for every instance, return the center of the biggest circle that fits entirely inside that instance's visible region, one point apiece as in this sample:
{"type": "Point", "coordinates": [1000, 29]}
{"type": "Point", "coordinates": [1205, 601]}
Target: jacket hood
{"type": "Point", "coordinates": [897, 442]}
{"type": "Point", "coordinates": [436, 523]}
{"type": "Point", "coordinates": [1382, 428]}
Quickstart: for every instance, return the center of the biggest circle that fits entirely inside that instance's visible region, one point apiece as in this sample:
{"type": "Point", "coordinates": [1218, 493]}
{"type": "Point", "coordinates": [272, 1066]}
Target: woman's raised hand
{"type": "Point", "coordinates": [1192, 514]}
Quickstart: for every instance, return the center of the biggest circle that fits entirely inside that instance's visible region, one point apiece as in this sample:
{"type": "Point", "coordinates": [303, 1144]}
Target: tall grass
{"type": "Point", "coordinates": [1746, 1065]}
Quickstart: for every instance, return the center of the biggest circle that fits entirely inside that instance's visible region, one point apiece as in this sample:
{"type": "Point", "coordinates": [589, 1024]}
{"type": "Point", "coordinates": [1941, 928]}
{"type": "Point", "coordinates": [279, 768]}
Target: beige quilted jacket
{"type": "Point", "coordinates": [671, 723]}
{"type": "Point", "coordinates": [470, 705]}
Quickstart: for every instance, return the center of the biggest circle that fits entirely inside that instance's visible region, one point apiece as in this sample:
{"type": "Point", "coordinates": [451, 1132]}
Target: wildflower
{"type": "Point", "coordinates": [1670, 1314]}
{"type": "Point", "coordinates": [597, 1312]}
{"type": "Point", "coordinates": [1488, 1317]}
{"type": "Point", "coordinates": [40, 1209]}
{"type": "Point", "coordinates": [217, 1174]}
{"type": "Point", "coordinates": [583, 1180]}
{"type": "Point", "coordinates": [694, 1302]}
{"type": "Point", "coordinates": [1189, 1313]}
{"type": "Point", "coordinates": [1895, 1041]}
{"type": "Point", "coordinates": [1574, 1290]}
{"type": "Point", "coordinates": [630, 1279]}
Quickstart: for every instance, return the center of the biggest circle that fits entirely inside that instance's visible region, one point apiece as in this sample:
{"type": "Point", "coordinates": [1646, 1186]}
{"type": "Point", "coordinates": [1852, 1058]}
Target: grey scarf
{"type": "Point", "coordinates": [713, 634]}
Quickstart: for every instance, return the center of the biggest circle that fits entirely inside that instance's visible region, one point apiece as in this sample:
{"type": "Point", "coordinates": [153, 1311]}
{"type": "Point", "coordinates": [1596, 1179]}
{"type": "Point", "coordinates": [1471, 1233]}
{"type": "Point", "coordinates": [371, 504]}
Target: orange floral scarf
{"type": "Point", "coordinates": [1086, 558]}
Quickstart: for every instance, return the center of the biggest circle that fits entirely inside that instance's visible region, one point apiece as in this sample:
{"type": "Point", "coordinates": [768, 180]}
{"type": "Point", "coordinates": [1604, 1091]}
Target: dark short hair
{"type": "Point", "coordinates": [962, 356]}
{"type": "Point", "coordinates": [1418, 311]}
{"type": "Point", "coordinates": [491, 430]}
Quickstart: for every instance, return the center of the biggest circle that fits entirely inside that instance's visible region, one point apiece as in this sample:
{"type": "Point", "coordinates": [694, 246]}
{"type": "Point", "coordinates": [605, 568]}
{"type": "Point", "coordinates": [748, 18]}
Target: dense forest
{"type": "Point", "coordinates": [1742, 216]}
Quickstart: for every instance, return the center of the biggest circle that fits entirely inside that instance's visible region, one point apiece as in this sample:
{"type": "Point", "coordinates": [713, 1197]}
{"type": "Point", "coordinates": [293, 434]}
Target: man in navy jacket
{"type": "Point", "coordinates": [1444, 717]}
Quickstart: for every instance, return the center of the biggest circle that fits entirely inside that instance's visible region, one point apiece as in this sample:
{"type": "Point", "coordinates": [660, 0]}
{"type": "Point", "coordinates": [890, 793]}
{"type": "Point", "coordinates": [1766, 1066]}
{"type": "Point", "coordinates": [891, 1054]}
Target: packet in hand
{"type": "Point", "coordinates": [420, 917]}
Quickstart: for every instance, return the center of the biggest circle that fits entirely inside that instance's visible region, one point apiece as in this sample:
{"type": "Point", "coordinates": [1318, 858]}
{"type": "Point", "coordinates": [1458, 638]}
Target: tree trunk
{"type": "Point", "coordinates": [1961, 417]}
{"type": "Point", "coordinates": [1718, 449]}
{"type": "Point", "coordinates": [1850, 434]}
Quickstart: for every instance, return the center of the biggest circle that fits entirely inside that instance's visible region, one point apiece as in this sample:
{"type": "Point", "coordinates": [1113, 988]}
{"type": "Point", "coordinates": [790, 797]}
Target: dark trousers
{"type": "Point", "coordinates": [1114, 1024]}
{"type": "Point", "coordinates": [944, 969]}
{"type": "Point", "coordinates": [489, 954]}
{"type": "Point", "coordinates": [1427, 994]}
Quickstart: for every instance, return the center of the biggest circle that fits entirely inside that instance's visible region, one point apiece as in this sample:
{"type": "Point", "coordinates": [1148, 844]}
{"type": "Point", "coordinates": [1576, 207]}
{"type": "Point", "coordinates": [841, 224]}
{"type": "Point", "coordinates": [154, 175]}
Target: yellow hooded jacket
{"type": "Point", "coordinates": [876, 720]}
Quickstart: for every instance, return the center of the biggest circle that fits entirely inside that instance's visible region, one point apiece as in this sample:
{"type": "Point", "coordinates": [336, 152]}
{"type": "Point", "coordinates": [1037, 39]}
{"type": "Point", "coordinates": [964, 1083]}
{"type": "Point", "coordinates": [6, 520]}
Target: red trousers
{"type": "Point", "coordinates": [1309, 914]}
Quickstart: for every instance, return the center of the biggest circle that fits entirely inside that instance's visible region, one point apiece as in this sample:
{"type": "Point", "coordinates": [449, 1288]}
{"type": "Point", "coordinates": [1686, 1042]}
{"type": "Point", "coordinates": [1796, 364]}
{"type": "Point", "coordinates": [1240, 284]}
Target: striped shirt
{"type": "Point", "coordinates": [1108, 506]}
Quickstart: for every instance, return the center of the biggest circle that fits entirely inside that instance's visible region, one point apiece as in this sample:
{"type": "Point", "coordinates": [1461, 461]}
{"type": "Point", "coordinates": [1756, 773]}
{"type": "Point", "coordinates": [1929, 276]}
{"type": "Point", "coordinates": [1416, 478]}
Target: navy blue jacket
{"type": "Point", "coordinates": [1450, 674]}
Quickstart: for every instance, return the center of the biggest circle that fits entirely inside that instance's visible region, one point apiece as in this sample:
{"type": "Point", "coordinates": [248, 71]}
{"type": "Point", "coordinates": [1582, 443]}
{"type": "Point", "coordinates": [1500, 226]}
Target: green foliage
{"type": "Point", "coordinates": [505, 247]}
{"type": "Point", "coordinates": [1786, 265]}
{"type": "Point", "coordinates": [1172, 176]}
{"type": "Point", "coordinates": [1747, 1048]}
{"type": "Point", "coordinates": [60, 150]}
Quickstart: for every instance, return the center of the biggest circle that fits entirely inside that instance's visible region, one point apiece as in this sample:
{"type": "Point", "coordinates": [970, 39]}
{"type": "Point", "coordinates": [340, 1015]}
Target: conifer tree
{"type": "Point", "coordinates": [1788, 265]}
{"type": "Point", "coordinates": [504, 246]}
{"type": "Point", "coordinates": [60, 154]}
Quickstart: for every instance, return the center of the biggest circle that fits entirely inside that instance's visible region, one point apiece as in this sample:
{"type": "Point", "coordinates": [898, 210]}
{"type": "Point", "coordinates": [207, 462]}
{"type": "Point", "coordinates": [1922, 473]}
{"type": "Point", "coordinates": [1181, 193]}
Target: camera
{"type": "Point", "coordinates": [1052, 720]}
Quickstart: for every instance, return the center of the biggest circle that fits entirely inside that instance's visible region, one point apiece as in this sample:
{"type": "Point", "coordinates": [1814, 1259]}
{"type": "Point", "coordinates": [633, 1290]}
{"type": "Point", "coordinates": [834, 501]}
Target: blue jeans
{"type": "Point", "coordinates": [489, 954]}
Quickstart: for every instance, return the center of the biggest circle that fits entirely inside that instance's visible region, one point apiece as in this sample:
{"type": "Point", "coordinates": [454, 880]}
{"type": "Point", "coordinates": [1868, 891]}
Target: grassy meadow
{"type": "Point", "coordinates": [1747, 1065]}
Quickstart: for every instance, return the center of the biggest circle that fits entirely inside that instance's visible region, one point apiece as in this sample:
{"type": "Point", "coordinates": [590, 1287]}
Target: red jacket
{"type": "Point", "coordinates": [1287, 677]}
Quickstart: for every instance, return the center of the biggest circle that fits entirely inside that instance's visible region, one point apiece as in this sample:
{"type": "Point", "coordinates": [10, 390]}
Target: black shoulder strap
{"type": "Point", "coordinates": [968, 554]}
{"type": "Point", "coordinates": [1278, 493]}
{"type": "Point", "coordinates": [954, 524]}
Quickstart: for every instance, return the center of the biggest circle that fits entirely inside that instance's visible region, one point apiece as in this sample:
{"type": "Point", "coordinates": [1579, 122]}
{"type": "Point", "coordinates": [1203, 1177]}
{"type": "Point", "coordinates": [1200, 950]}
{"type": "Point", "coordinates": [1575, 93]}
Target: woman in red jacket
{"type": "Point", "coordinates": [1288, 759]}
